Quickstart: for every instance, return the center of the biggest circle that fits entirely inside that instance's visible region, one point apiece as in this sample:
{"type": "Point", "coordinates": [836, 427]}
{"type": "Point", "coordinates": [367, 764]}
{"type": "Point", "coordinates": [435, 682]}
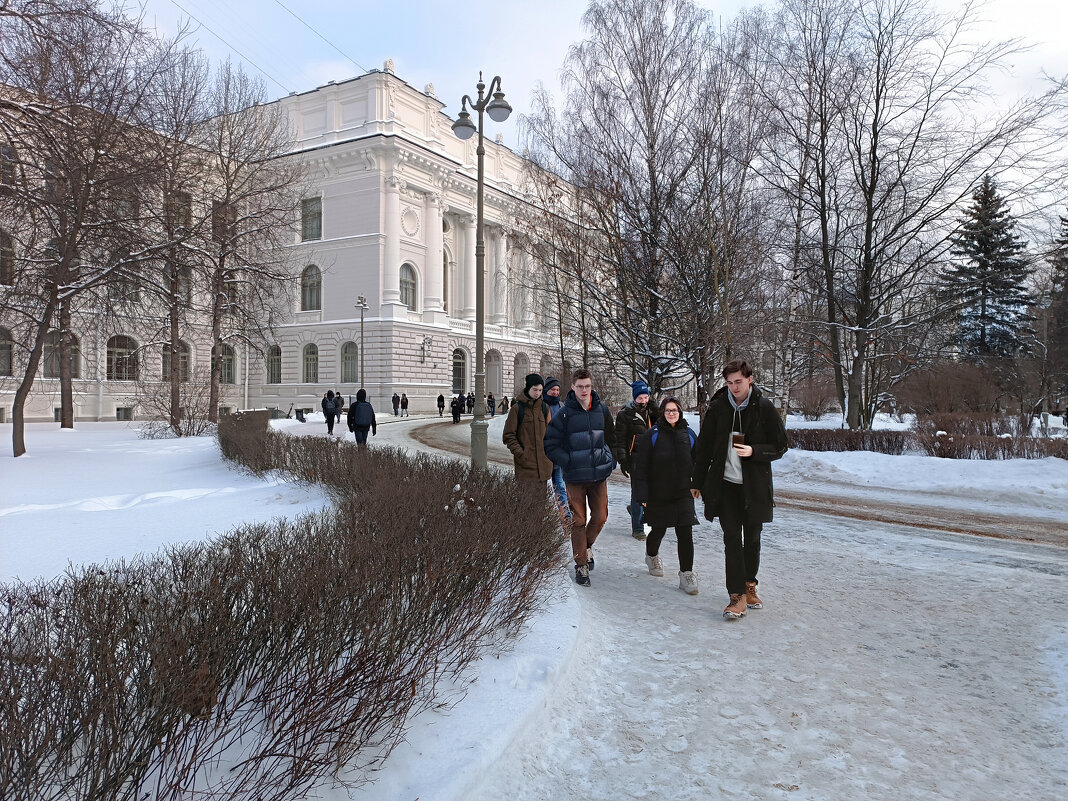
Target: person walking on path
{"type": "Point", "coordinates": [396, 404]}
{"type": "Point", "coordinates": [404, 404]}
{"type": "Point", "coordinates": [660, 468]}
{"type": "Point", "coordinates": [470, 402]}
{"type": "Point", "coordinates": [524, 434]}
{"type": "Point", "coordinates": [362, 419]}
{"type": "Point", "coordinates": [339, 406]}
{"type": "Point", "coordinates": [329, 411]}
{"type": "Point", "coordinates": [457, 408]}
{"type": "Point", "coordinates": [632, 422]}
{"type": "Point", "coordinates": [551, 397]}
{"type": "Point", "coordinates": [579, 440]}
{"type": "Point", "coordinates": [491, 404]}
{"type": "Point", "coordinates": [504, 404]}
{"type": "Point", "coordinates": [741, 435]}
{"type": "Point", "coordinates": [441, 405]}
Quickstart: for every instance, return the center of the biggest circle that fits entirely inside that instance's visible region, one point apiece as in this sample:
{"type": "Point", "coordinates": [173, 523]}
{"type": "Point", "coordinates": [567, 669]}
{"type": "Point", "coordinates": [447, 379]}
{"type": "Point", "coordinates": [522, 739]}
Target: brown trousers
{"type": "Point", "coordinates": [584, 530]}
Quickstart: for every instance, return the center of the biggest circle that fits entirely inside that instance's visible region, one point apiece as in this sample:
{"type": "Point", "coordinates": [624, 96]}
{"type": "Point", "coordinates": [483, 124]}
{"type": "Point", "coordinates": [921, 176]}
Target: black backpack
{"type": "Point", "coordinates": [365, 415]}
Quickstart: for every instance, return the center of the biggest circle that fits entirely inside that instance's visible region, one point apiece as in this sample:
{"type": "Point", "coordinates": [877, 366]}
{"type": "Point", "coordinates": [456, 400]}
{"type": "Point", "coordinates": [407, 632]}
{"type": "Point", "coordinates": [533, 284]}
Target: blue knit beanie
{"type": "Point", "coordinates": [640, 388]}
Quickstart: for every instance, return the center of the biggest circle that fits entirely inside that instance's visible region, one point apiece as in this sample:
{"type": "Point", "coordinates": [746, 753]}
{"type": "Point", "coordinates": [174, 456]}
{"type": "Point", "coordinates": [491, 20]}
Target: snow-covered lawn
{"type": "Point", "coordinates": [890, 663]}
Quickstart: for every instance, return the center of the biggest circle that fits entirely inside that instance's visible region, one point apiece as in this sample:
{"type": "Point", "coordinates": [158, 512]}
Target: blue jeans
{"type": "Point", "coordinates": [361, 436]}
{"type": "Point", "coordinates": [637, 511]}
{"type": "Point", "coordinates": [560, 489]}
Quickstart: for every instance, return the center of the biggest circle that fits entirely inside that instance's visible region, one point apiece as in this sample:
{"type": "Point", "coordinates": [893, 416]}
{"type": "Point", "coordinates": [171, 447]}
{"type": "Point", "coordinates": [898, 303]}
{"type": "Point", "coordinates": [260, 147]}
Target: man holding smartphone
{"type": "Point", "coordinates": [741, 435]}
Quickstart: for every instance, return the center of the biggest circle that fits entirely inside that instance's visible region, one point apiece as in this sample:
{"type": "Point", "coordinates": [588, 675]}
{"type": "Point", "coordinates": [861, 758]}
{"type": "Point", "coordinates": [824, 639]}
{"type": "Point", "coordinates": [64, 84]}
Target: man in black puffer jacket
{"type": "Point", "coordinates": [579, 439]}
{"type": "Point", "coordinates": [741, 435]}
{"type": "Point", "coordinates": [633, 422]}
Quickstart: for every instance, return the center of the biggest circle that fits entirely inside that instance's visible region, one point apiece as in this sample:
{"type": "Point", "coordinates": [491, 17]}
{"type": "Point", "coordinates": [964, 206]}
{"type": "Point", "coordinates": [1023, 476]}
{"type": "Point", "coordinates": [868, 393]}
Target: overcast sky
{"type": "Point", "coordinates": [524, 41]}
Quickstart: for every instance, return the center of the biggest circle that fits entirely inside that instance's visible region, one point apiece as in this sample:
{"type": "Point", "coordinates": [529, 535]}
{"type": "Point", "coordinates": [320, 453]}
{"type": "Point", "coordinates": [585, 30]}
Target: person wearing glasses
{"type": "Point", "coordinates": [660, 468]}
{"type": "Point", "coordinates": [741, 435]}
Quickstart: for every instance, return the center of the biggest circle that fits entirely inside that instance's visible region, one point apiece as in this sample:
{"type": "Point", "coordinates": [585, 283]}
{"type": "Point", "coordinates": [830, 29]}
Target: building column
{"type": "Point", "coordinates": [500, 279]}
{"type": "Point", "coordinates": [526, 294]}
{"type": "Point", "coordinates": [433, 279]}
{"type": "Point", "coordinates": [391, 305]}
{"type": "Point", "coordinates": [469, 267]}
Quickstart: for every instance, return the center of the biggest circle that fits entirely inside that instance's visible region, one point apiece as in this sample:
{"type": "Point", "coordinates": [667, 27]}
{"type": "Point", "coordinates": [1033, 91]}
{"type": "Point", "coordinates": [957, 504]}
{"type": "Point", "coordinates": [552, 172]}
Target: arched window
{"type": "Point", "coordinates": [459, 371]}
{"type": "Point", "coordinates": [274, 365]}
{"type": "Point", "coordinates": [228, 369]}
{"type": "Point", "coordinates": [183, 362]}
{"type": "Point", "coordinates": [311, 289]}
{"type": "Point", "coordinates": [311, 364]}
{"type": "Point", "coordinates": [7, 258]}
{"type": "Point", "coordinates": [407, 286]}
{"type": "Point", "coordinates": [50, 363]}
{"type": "Point", "coordinates": [121, 359]}
{"type": "Point", "coordinates": [350, 363]}
{"type": "Point", "coordinates": [7, 347]}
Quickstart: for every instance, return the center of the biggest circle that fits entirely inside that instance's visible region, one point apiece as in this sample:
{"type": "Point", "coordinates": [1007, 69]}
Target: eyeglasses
{"type": "Point", "coordinates": [671, 411]}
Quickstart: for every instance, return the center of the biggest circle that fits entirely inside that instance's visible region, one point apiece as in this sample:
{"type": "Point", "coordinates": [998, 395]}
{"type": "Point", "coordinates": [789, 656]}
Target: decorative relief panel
{"type": "Point", "coordinates": [410, 221]}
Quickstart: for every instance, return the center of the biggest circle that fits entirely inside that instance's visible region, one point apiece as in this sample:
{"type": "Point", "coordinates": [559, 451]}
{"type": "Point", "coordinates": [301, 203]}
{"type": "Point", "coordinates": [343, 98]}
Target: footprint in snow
{"type": "Point", "coordinates": [677, 745]}
{"type": "Point", "coordinates": [659, 657]}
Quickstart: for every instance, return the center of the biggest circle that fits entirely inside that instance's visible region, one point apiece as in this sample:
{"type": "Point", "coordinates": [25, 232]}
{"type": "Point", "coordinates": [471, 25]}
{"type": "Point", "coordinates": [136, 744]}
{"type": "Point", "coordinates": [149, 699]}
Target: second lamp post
{"type": "Point", "coordinates": [493, 104]}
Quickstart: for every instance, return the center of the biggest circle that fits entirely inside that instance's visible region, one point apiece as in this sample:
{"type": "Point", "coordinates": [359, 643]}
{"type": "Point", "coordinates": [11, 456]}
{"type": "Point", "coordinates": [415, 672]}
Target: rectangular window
{"type": "Point", "coordinates": [311, 218]}
{"type": "Point", "coordinates": [179, 210]}
{"type": "Point", "coordinates": [57, 413]}
{"type": "Point", "coordinates": [124, 413]}
{"type": "Point", "coordinates": [3, 415]}
{"type": "Point", "coordinates": [223, 410]}
{"type": "Point", "coordinates": [223, 221]}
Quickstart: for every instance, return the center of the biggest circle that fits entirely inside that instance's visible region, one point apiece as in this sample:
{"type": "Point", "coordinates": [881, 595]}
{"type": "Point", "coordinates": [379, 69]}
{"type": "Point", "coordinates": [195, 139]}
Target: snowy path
{"type": "Point", "coordinates": [886, 666]}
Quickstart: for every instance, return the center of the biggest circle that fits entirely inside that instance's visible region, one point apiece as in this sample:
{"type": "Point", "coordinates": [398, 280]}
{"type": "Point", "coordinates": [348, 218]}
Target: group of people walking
{"type": "Point", "coordinates": [576, 444]}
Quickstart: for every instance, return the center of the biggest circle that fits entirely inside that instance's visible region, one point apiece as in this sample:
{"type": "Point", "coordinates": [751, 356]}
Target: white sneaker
{"type": "Point", "coordinates": [688, 582]}
{"type": "Point", "coordinates": [656, 567]}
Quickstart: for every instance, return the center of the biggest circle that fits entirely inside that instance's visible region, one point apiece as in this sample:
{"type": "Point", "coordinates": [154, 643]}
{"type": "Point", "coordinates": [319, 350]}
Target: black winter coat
{"type": "Point", "coordinates": [631, 424]}
{"type": "Point", "coordinates": [579, 441]}
{"type": "Point", "coordinates": [660, 476]}
{"type": "Point", "coordinates": [763, 429]}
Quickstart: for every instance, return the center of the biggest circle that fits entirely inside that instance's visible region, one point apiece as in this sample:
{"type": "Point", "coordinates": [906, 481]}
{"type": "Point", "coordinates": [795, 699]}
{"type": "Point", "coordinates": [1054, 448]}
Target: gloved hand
{"type": "Point", "coordinates": [624, 468]}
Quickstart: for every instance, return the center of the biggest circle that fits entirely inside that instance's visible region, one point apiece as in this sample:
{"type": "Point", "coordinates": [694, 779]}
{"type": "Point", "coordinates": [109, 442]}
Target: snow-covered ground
{"type": "Point", "coordinates": [890, 663]}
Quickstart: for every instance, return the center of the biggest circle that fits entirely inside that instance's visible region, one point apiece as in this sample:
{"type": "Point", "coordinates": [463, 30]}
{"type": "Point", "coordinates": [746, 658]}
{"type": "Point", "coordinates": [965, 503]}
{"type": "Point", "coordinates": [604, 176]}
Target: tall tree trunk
{"type": "Point", "coordinates": [66, 367]}
{"type": "Point", "coordinates": [18, 405]}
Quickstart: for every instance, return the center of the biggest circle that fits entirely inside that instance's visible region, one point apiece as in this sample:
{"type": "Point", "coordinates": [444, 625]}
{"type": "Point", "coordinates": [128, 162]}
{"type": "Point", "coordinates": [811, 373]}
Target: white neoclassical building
{"type": "Point", "coordinates": [391, 219]}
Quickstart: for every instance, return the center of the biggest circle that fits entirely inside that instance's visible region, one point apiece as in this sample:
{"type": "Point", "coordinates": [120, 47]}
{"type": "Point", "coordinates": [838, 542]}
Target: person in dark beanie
{"type": "Point", "coordinates": [579, 440]}
{"type": "Point", "coordinates": [362, 419]}
{"type": "Point", "coordinates": [457, 408]}
{"type": "Point", "coordinates": [404, 404]}
{"type": "Point", "coordinates": [741, 435]}
{"type": "Point", "coordinates": [632, 422]}
{"type": "Point", "coordinates": [524, 434]}
{"type": "Point", "coordinates": [551, 398]}
{"type": "Point", "coordinates": [660, 468]}
{"type": "Point", "coordinates": [329, 411]}
{"type": "Point", "coordinates": [396, 404]}
{"type": "Point", "coordinates": [441, 405]}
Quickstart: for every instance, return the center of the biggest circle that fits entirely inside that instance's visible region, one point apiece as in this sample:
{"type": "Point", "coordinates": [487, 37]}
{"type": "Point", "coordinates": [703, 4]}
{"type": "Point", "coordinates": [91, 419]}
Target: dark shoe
{"type": "Point", "coordinates": [638, 535]}
{"type": "Point", "coordinates": [582, 575]}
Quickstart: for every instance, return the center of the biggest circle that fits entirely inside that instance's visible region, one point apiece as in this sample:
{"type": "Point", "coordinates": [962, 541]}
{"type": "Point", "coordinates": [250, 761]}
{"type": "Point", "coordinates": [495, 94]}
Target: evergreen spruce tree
{"type": "Point", "coordinates": [1057, 335]}
{"type": "Point", "coordinates": [988, 278]}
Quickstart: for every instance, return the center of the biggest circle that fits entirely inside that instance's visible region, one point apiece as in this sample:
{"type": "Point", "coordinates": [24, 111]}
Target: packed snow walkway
{"type": "Point", "coordinates": [885, 665]}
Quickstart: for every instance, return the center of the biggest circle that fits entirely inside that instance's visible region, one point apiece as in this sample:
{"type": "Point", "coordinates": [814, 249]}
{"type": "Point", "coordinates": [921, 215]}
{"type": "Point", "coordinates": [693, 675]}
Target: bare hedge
{"type": "Point", "coordinates": [949, 436]}
{"type": "Point", "coordinates": [260, 664]}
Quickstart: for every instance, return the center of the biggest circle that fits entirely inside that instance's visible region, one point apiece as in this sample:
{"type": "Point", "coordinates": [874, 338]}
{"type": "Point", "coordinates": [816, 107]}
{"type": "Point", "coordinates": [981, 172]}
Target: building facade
{"type": "Point", "coordinates": [389, 219]}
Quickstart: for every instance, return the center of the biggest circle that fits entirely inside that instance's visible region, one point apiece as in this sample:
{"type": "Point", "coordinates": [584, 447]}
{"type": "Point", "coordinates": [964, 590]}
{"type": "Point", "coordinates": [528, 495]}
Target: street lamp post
{"type": "Point", "coordinates": [494, 104]}
{"type": "Point", "coordinates": [361, 304]}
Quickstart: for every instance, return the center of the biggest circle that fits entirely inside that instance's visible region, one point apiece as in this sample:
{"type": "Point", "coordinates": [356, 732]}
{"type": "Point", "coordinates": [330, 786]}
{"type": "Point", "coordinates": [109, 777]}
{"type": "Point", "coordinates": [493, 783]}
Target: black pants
{"type": "Point", "coordinates": [741, 553]}
{"type": "Point", "coordinates": [684, 534]}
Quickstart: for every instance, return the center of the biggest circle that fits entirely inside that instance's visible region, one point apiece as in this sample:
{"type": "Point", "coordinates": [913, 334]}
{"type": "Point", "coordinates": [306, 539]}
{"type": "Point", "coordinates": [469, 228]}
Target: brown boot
{"type": "Point", "coordinates": [752, 600]}
{"type": "Point", "coordinates": [736, 608]}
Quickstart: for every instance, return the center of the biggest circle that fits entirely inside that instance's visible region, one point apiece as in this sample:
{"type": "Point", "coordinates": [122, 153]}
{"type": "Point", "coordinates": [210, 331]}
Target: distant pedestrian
{"type": "Point", "coordinates": [396, 404]}
{"type": "Point", "coordinates": [329, 411]}
{"type": "Point", "coordinates": [504, 404]}
{"type": "Point", "coordinates": [362, 419]}
{"type": "Point", "coordinates": [470, 402]}
{"type": "Point", "coordinates": [741, 435]}
{"type": "Point", "coordinates": [579, 440]}
{"type": "Point", "coordinates": [632, 422]}
{"type": "Point", "coordinates": [404, 404]}
{"type": "Point", "coordinates": [441, 405]}
{"type": "Point", "coordinates": [457, 408]}
{"type": "Point", "coordinates": [524, 434]}
{"type": "Point", "coordinates": [661, 464]}
{"type": "Point", "coordinates": [491, 404]}
{"type": "Point", "coordinates": [551, 397]}
{"type": "Point", "coordinates": [339, 406]}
